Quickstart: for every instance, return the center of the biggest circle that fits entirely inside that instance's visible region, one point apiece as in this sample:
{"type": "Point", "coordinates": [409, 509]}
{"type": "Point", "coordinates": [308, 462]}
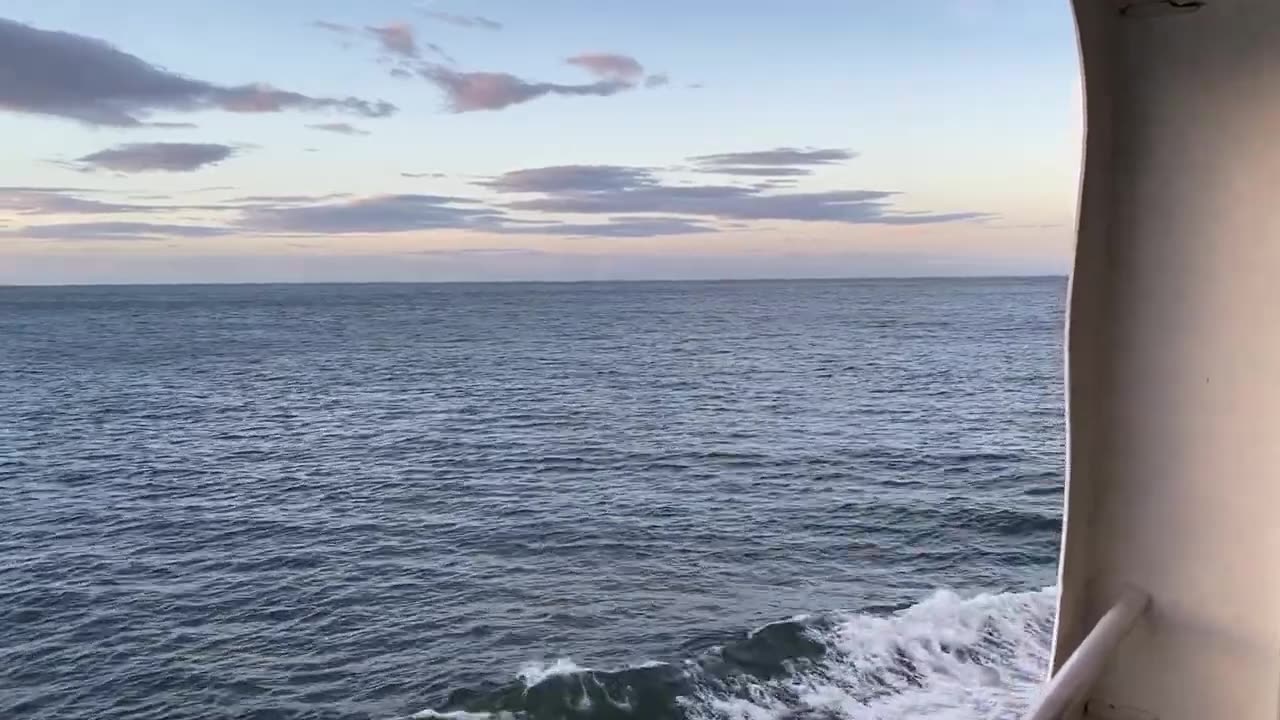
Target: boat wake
{"type": "Point", "coordinates": [948, 657]}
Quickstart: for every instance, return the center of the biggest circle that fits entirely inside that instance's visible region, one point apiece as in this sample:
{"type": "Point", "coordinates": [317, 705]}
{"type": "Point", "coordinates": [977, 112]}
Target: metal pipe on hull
{"type": "Point", "coordinates": [1173, 359]}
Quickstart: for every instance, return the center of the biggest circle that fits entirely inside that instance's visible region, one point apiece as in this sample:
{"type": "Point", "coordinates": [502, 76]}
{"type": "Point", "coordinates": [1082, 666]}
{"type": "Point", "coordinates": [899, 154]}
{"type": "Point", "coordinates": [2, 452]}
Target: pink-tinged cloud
{"type": "Point", "coordinates": [472, 91]}
{"type": "Point", "coordinates": [61, 74]}
{"type": "Point", "coordinates": [610, 66]}
{"type": "Point", "coordinates": [397, 39]}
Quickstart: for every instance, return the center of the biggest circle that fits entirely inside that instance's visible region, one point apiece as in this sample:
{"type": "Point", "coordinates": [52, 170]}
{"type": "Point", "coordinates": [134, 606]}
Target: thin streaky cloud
{"type": "Point", "coordinates": [474, 252]}
{"type": "Point", "coordinates": [378, 214]}
{"type": "Point", "coordinates": [621, 190]}
{"type": "Point", "coordinates": [61, 201]}
{"type": "Point", "coordinates": [441, 52]}
{"type": "Point", "coordinates": [759, 171]}
{"type": "Point", "coordinates": [334, 27]}
{"type": "Point", "coordinates": [35, 201]}
{"type": "Point", "coordinates": [622, 227]}
{"type": "Point", "coordinates": [44, 189]}
{"type": "Point", "coordinates": [116, 231]}
{"type": "Point", "coordinates": [778, 162]}
{"type": "Point", "coordinates": [340, 128]}
{"type": "Point", "coordinates": [467, 21]}
{"type": "Point", "coordinates": [777, 157]}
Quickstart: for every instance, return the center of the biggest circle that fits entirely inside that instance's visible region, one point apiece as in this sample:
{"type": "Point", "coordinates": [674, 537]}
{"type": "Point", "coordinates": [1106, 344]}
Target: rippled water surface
{"type": "Point", "coordinates": [650, 500]}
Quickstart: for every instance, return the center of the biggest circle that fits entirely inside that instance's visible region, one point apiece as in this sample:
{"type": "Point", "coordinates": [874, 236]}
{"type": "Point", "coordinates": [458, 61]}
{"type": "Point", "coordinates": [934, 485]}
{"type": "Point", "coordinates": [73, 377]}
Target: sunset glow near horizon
{"type": "Point", "coordinates": [553, 140]}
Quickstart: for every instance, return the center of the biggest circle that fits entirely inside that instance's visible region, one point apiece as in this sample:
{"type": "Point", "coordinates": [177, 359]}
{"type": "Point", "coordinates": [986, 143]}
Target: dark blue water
{"type": "Point", "coordinates": [816, 499]}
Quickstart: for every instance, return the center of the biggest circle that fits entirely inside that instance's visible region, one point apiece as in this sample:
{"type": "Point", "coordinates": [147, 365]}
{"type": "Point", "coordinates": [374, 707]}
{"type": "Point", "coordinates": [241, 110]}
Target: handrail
{"type": "Point", "coordinates": [1080, 670]}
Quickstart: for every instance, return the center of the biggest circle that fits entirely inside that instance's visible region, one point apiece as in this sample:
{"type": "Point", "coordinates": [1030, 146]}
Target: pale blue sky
{"type": "Point", "coordinates": [968, 110]}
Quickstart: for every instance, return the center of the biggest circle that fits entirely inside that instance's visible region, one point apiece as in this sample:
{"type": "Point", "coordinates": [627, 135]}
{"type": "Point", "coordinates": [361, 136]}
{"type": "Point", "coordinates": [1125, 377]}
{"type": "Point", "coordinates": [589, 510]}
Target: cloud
{"type": "Point", "coordinates": [270, 200]}
{"type": "Point", "coordinates": [471, 91]}
{"type": "Point", "coordinates": [629, 202]}
{"type": "Point", "coordinates": [656, 80]}
{"type": "Point", "coordinates": [378, 214]}
{"type": "Point", "coordinates": [774, 172]}
{"type": "Point", "coordinates": [340, 128]}
{"type": "Point", "coordinates": [159, 156]}
{"type": "Point", "coordinates": [41, 189]}
{"type": "Point", "coordinates": [568, 178]}
{"type": "Point", "coordinates": [397, 39]}
{"type": "Point", "coordinates": [778, 156]}
{"type": "Point", "coordinates": [778, 162]}
{"type": "Point", "coordinates": [476, 252]}
{"type": "Point", "coordinates": [619, 190]}
{"type": "Point", "coordinates": [422, 175]}
{"type": "Point", "coordinates": [467, 21]}
{"type": "Point", "coordinates": [67, 201]}
{"type": "Point", "coordinates": [334, 27]}
{"type": "Point", "coordinates": [616, 227]}
{"type": "Point", "coordinates": [440, 51]}
{"type": "Point", "coordinates": [115, 231]}
{"type": "Point", "coordinates": [611, 66]}
{"type": "Point", "coordinates": [58, 201]}
{"type": "Point", "coordinates": [84, 79]}
{"type": "Point", "coordinates": [410, 212]}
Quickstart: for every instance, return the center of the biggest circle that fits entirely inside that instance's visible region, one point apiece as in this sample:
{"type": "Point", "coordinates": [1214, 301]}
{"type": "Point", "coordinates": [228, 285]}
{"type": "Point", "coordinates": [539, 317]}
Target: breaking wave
{"type": "Point", "coordinates": [950, 657]}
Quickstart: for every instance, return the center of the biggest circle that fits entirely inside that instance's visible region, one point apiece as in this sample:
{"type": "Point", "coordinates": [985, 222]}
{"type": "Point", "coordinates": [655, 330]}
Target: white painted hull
{"type": "Point", "coordinates": [1174, 363]}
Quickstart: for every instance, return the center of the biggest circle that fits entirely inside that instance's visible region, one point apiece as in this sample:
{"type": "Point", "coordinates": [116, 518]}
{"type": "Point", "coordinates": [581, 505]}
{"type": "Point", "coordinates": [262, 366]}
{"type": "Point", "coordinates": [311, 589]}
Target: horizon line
{"type": "Point", "coordinates": [856, 278]}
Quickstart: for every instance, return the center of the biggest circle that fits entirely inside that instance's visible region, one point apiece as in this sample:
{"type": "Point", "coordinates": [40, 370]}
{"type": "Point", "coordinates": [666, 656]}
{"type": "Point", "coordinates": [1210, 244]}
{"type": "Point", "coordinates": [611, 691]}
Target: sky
{"type": "Point", "coordinates": [147, 141]}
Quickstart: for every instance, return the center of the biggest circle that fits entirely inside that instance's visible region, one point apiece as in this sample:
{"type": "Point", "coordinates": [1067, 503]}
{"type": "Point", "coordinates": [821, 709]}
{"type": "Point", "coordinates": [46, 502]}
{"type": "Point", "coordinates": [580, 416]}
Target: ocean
{"type": "Point", "coordinates": [686, 500]}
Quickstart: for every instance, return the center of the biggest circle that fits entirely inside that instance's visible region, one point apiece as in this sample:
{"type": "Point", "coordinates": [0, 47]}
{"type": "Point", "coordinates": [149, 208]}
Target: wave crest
{"type": "Point", "coordinates": [949, 657]}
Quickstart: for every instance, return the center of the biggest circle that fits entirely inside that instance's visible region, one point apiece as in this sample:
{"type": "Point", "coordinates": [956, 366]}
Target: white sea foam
{"type": "Point", "coordinates": [460, 715]}
{"type": "Point", "coordinates": [948, 657]}
{"type": "Point", "coordinates": [533, 673]}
